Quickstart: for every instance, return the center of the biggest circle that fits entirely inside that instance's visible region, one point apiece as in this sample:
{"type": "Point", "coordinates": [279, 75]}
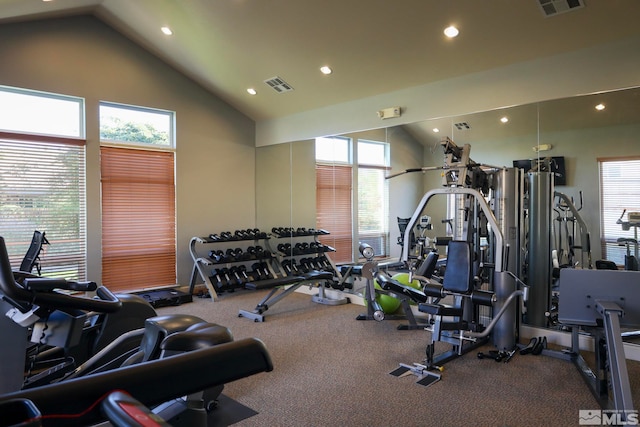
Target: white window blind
{"type": "Point", "coordinates": [619, 190]}
{"type": "Point", "coordinates": [373, 196]}
{"type": "Point", "coordinates": [42, 187]}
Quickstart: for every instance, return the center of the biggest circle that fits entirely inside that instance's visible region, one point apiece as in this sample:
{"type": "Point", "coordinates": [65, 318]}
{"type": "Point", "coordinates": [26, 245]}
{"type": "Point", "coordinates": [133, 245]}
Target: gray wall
{"type": "Point", "coordinates": [285, 181]}
{"type": "Point", "coordinates": [581, 148]}
{"type": "Point", "coordinates": [215, 164]}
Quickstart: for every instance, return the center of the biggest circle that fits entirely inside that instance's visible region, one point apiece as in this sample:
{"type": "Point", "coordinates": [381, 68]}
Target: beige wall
{"type": "Point", "coordinates": [581, 149]}
{"type": "Point", "coordinates": [215, 163]}
{"type": "Point", "coordinates": [285, 181]}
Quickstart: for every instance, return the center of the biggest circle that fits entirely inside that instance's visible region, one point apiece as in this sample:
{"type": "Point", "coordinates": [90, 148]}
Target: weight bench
{"type": "Point", "coordinates": [278, 291]}
{"type": "Point", "coordinates": [449, 321]}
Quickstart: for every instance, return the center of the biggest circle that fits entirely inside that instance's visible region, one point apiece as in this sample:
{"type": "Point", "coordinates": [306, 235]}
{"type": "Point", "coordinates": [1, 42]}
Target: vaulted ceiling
{"type": "Point", "coordinates": [373, 46]}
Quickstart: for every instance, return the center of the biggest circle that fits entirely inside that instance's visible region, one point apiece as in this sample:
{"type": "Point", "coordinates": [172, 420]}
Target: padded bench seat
{"type": "Point", "coordinates": [439, 309]}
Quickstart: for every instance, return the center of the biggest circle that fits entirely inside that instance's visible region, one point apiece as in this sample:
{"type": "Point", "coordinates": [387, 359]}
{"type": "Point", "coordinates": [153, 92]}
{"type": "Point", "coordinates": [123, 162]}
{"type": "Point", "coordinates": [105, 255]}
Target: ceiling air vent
{"type": "Point", "coordinates": [554, 7]}
{"type": "Point", "coordinates": [279, 85]}
{"type": "Point", "coordinates": [462, 126]}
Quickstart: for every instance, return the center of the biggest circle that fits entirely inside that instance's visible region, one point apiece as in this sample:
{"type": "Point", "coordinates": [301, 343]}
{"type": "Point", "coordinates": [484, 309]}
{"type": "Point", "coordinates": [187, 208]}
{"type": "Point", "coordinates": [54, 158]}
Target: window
{"type": "Point", "coordinates": [41, 113]}
{"type": "Point", "coordinates": [334, 177]}
{"type": "Point", "coordinates": [138, 205]}
{"type": "Point", "coordinates": [42, 179]}
{"type": "Point", "coordinates": [619, 191]}
{"type": "Point", "coordinates": [373, 206]}
{"type": "Point", "coordinates": [349, 215]}
{"type": "Point", "coordinates": [136, 125]}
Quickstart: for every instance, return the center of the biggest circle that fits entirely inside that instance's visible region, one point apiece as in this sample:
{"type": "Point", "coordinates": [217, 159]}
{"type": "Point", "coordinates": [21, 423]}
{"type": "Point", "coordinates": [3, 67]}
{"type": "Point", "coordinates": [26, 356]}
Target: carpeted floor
{"type": "Point", "coordinates": [333, 370]}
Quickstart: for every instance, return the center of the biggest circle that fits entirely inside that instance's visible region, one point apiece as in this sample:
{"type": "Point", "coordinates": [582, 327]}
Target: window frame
{"type": "Point", "coordinates": [44, 136]}
{"type": "Point", "coordinates": [379, 239]}
{"type": "Point", "coordinates": [612, 207]}
{"type": "Point", "coordinates": [66, 256]}
{"type": "Point", "coordinates": [356, 235]}
{"type": "Point", "coordinates": [134, 108]}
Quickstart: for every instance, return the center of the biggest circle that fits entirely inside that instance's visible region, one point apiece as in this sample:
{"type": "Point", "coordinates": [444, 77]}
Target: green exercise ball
{"type": "Point", "coordinates": [388, 304]}
{"type": "Point", "coordinates": [404, 279]}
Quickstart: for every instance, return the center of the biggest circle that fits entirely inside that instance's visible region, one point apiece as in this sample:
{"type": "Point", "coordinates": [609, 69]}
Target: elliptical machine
{"type": "Point", "coordinates": [203, 355]}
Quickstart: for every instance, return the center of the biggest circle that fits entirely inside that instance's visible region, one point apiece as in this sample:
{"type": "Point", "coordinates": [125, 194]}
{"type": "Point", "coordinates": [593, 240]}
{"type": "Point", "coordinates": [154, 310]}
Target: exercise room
{"type": "Point", "coordinates": [304, 213]}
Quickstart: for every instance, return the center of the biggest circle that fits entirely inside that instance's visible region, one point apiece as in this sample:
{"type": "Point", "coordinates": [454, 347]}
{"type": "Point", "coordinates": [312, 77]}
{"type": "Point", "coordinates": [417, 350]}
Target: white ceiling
{"type": "Point", "coordinates": [373, 46]}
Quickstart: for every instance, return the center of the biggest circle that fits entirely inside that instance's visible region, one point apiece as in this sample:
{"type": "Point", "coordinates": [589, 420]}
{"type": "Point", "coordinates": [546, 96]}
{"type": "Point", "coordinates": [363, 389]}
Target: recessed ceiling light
{"type": "Point", "coordinates": [251, 91]}
{"type": "Point", "coordinates": [504, 119]}
{"type": "Point", "coordinates": [166, 30]}
{"type": "Point", "coordinates": [600, 107]}
{"type": "Point", "coordinates": [326, 70]}
{"type": "Point", "coordinates": [436, 130]}
{"type": "Point", "coordinates": [451, 31]}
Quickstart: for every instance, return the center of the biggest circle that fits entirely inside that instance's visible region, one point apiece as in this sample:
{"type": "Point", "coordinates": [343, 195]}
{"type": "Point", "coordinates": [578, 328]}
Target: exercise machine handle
{"type": "Point", "coordinates": [108, 303]}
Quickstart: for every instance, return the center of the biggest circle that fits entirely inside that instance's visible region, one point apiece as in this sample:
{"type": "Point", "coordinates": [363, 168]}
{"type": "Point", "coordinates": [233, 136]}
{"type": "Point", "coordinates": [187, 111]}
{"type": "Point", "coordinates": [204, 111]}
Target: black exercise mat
{"type": "Point", "coordinates": [228, 412]}
{"type": "Point", "coordinates": [165, 297]}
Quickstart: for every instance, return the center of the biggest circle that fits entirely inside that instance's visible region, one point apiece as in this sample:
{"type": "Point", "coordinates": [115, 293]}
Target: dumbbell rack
{"type": "Point", "coordinates": [203, 265]}
{"type": "Point", "coordinates": [308, 249]}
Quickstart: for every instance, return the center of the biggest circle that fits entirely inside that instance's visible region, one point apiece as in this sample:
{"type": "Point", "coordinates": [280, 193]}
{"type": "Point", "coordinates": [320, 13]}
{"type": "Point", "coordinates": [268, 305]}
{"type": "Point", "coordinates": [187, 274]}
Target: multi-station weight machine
{"type": "Point", "coordinates": [506, 249]}
{"type": "Point", "coordinates": [477, 299]}
{"type": "Point", "coordinates": [505, 216]}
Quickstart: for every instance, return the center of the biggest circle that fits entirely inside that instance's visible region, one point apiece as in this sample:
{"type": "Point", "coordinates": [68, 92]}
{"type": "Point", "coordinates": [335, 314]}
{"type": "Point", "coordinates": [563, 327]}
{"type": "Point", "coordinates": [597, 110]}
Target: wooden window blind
{"type": "Point", "coordinates": [619, 190]}
{"type": "Point", "coordinates": [42, 187]}
{"type": "Point", "coordinates": [138, 218]}
{"type": "Point", "coordinates": [334, 208]}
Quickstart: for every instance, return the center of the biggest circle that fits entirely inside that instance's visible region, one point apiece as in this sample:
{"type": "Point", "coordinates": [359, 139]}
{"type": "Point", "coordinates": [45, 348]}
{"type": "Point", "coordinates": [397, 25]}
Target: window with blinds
{"type": "Point", "coordinates": [373, 196]}
{"type": "Point", "coordinates": [619, 192]}
{"type": "Point", "coordinates": [349, 215]}
{"type": "Point", "coordinates": [333, 209]}
{"type": "Point", "coordinates": [42, 179]}
{"type": "Point", "coordinates": [42, 187]}
{"type": "Point", "coordinates": [138, 218]}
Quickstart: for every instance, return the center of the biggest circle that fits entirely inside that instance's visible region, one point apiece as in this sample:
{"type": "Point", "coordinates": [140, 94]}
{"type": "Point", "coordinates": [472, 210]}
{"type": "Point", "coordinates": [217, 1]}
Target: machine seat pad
{"type": "Point", "coordinates": [197, 338]}
{"type": "Point", "coordinates": [439, 309]}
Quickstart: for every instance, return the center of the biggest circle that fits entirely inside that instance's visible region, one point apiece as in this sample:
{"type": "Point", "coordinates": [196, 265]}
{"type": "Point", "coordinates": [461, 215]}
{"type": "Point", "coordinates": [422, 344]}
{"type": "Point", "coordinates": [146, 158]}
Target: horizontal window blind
{"type": "Point", "coordinates": [138, 218]}
{"type": "Point", "coordinates": [42, 187]}
{"type": "Point", "coordinates": [373, 213]}
{"type": "Point", "coordinates": [333, 207]}
{"type": "Point", "coordinates": [619, 190]}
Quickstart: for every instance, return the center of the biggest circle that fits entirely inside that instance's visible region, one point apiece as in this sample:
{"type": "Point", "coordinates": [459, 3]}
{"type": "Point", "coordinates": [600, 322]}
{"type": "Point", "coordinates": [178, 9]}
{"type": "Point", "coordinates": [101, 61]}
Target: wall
{"type": "Point", "coordinates": [581, 148]}
{"type": "Point", "coordinates": [215, 162]}
{"type": "Point", "coordinates": [603, 67]}
{"type": "Point", "coordinates": [285, 181]}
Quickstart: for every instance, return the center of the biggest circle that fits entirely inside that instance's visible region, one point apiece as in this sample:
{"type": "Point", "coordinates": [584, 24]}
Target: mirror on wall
{"type": "Point", "coordinates": [571, 129]}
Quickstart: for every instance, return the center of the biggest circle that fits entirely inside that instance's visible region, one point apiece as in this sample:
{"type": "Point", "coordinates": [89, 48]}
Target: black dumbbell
{"type": "Point", "coordinates": [215, 256]}
{"type": "Point", "coordinates": [257, 271]}
{"type": "Point", "coordinates": [217, 279]}
{"type": "Point", "coordinates": [214, 237]}
{"type": "Point", "coordinates": [286, 264]}
{"type": "Point", "coordinates": [235, 274]}
{"type": "Point", "coordinates": [230, 255]}
{"type": "Point", "coordinates": [242, 270]}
